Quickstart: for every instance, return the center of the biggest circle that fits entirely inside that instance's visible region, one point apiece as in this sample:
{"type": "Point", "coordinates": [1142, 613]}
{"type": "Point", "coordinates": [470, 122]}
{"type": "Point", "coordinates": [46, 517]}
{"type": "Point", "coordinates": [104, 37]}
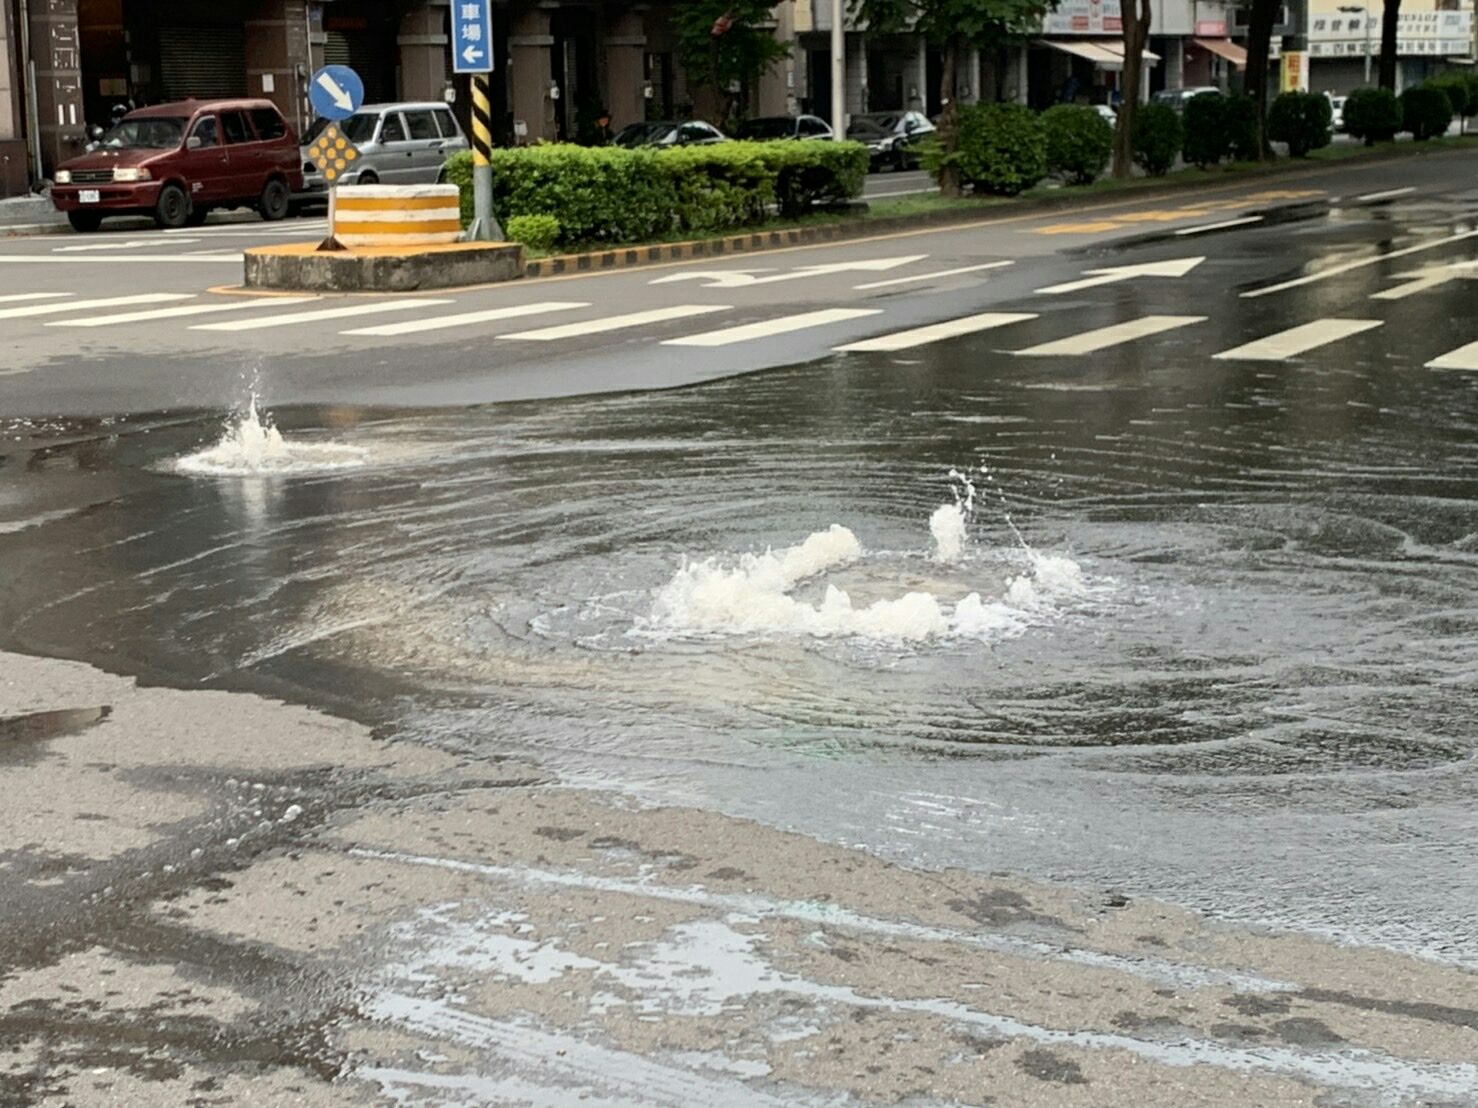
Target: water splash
{"type": "Point", "coordinates": [251, 445]}
{"type": "Point", "coordinates": [949, 523]}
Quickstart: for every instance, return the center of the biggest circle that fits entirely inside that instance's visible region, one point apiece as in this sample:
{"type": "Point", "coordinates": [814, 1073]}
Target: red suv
{"type": "Point", "coordinates": [178, 161]}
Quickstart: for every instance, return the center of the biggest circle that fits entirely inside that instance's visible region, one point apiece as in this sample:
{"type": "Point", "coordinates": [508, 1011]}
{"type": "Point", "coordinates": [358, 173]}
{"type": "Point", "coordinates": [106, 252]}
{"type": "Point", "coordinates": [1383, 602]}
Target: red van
{"type": "Point", "coordinates": [176, 162]}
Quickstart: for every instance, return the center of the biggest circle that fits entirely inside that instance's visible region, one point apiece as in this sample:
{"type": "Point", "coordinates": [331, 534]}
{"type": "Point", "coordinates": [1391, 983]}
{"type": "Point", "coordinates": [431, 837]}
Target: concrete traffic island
{"type": "Point", "coordinates": [387, 238]}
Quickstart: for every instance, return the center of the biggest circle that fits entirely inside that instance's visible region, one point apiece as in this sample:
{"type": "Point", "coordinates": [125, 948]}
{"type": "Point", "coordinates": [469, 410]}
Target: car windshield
{"type": "Point", "coordinates": [152, 132]}
{"type": "Point", "coordinates": [357, 128]}
{"type": "Point", "coordinates": [869, 128]}
{"type": "Point", "coordinates": [644, 134]}
{"type": "Point", "coordinates": [776, 127]}
{"type": "Point", "coordinates": [886, 122]}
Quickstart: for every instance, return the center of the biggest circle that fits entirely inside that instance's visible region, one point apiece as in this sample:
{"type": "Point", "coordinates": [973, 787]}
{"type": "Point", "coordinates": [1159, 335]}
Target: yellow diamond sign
{"type": "Point", "coordinates": [332, 153]}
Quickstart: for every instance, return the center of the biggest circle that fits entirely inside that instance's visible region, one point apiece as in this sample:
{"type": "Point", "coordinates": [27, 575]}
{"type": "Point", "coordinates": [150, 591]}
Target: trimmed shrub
{"type": "Point", "coordinates": [1241, 128]}
{"type": "Point", "coordinates": [1301, 119]}
{"type": "Point", "coordinates": [1461, 90]}
{"type": "Point", "coordinates": [1373, 114]}
{"type": "Point", "coordinates": [1157, 138]}
{"type": "Point", "coordinates": [1206, 139]}
{"type": "Point", "coordinates": [1425, 112]}
{"type": "Point", "coordinates": [1002, 147]}
{"type": "Point", "coordinates": [614, 195]}
{"type": "Point", "coordinates": [537, 232]}
{"type": "Point", "coordinates": [1079, 142]}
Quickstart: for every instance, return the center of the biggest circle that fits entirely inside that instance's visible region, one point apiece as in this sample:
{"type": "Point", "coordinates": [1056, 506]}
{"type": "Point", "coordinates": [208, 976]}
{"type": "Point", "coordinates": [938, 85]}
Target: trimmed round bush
{"type": "Point", "coordinates": [1206, 140]}
{"type": "Point", "coordinates": [1157, 138]}
{"type": "Point", "coordinates": [1373, 114]}
{"type": "Point", "coordinates": [1461, 90]}
{"type": "Point", "coordinates": [1425, 112]}
{"type": "Point", "coordinates": [537, 232]}
{"type": "Point", "coordinates": [1302, 120]}
{"type": "Point", "coordinates": [1241, 128]}
{"type": "Point", "coordinates": [1002, 147]}
{"type": "Point", "coordinates": [1079, 143]}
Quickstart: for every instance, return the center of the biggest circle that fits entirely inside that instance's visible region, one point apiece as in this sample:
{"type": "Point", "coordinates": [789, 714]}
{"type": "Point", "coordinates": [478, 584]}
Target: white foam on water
{"type": "Point", "coordinates": [947, 525]}
{"type": "Point", "coordinates": [251, 445]}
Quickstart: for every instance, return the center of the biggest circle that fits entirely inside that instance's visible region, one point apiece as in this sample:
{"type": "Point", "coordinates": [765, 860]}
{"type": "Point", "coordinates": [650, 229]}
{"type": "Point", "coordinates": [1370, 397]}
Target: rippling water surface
{"type": "Point", "coordinates": [1228, 660]}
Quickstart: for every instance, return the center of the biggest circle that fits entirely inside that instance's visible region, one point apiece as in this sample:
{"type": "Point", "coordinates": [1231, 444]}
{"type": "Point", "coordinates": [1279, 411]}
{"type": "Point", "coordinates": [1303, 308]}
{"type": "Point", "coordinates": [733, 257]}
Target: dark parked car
{"type": "Point", "coordinates": [178, 161]}
{"type": "Point", "coordinates": [767, 127]}
{"type": "Point", "coordinates": [891, 137]}
{"type": "Point", "coordinates": [694, 132]}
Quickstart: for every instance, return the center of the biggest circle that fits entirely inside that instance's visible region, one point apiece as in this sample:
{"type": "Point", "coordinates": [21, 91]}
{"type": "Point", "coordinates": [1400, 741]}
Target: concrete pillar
{"type": "Point", "coordinates": [53, 26]}
{"type": "Point", "coordinates": [422, 42]}
{"type": "Point", "coordinates": [625, 47]}
{"type": "Point", "coordinates": [915, 73]}
{"type": "Point", "coordinates": [774, 95]}
{"type": "Point", "coordinates": [529, 74]}
{"type": "Point", "coordinates": [276, 54]}
{"type": "Point", "coordinates": [856, 74]}
{"type": "Point", "coordinates": [970, 80]}
{"type": "Point", "coordinates": [1175, 63]}
{"type": "Point", "coordinates": [1019, 75]}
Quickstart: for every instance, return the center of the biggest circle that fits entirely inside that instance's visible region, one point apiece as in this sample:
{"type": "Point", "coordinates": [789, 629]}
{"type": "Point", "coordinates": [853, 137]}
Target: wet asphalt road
{"type": "Point", "coordinates": [1223, 548]}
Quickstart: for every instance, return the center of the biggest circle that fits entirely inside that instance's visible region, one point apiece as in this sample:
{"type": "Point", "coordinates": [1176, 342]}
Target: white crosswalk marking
{"type": "Point", "coordinates": [951, 328]}
{"type": "Point", "coordinates": [785, 324]}
{"type": "Point", "coordinates": [463, 319]}
{"type": "Point", "coordinates": [616, 322]}
{"type": "Point", "coordinates": [1298, 340]}
{"type": "Point", "coordinates": [1464, 357]}
{"type": "Point", "coordinates": [1103, 337]}
{"type": "Point", "coordinates": [10, 298]}
{"type": "Point", "coordinates": [88, 305]}
{"type": "Point", "coordinates": [933, 276]}
{"type": "Point", "coordinates": [290, 318]}
{"type": "Point", "coordinates": [177, 312]}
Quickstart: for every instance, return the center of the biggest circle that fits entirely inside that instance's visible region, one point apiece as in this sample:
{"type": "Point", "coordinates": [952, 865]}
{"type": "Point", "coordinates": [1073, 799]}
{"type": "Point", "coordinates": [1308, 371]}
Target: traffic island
{"type": "Point", "coordinates": [304, 267]}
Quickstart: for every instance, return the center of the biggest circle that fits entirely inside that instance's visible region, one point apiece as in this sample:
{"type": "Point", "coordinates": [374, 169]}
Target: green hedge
{"type": "Point", "coordinates": [1461, 88]}
{"type": "Point", "coordinates": [1207, 140]}
{"type": "Point", "coordinates": [1425, 112]}
{"type": "Point", "coordinates": [1373, 114]}
{"type": "Point", "coordinates": [1241, 124]}
{"type": "Point", "coordinates": [1157, 138]}
{"type": "Point", "coordinates": [1301, 119]}
{"type": "Point", "coordinates": [1079, 142]}
{"type": "Point", "coordinates": [611, 195]}
{"type": "Point", "coordinates": [1002, 147]}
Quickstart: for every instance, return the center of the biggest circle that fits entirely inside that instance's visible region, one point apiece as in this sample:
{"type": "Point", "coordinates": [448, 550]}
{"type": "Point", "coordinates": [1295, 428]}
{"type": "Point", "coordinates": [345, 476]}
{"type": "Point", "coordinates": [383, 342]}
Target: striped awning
{"type": "Point", "coordinates": [1224, 48]}
{"type": "Point", "coordinates": [1105, 53]}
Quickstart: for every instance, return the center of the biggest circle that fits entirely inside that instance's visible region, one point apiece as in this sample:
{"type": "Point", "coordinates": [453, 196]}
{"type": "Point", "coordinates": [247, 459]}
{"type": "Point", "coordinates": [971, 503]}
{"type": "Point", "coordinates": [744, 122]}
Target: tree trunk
{"type": "Point", "coordinates": [1136, 21]}
{"type": "Point", "coordinates": [1390, 17]}
{"type": "Point", "coordinates": [950, 183]}
{"type": "Point", "coordinates": [1259, 43]}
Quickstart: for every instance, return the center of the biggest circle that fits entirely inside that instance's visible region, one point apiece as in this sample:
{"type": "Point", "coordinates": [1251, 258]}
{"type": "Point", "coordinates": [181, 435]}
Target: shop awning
{"type": "Point", "coordinates": [1223, 48]}
{"type": "Point", "coordinates": [1105, 53]}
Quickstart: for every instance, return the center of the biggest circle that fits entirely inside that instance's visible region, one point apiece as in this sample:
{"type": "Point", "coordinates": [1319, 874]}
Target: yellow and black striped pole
{"type": "Point", "coordinates": [484, 226]}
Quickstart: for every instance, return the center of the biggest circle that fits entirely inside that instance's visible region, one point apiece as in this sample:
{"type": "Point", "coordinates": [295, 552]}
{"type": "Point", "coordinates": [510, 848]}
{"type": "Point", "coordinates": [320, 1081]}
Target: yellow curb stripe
{"type": "Point", "coordinates": [414, 227]}
{"type": "Point", "coordinates": [347, 201]}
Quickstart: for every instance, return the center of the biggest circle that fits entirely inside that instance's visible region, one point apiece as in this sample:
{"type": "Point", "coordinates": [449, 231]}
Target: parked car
{"type": "Point", "coordinates": [399, 144]}
{"type": "Point", "coordinates": [178, 161]}
{"type": "Point", "coordinates": [891, 138]}
{"type": "Point", "coordinates": [693, 132]}
{"type": "Point", "coordinates": [1177, 97]}
{"type": "Point", "coordinates": [767, 127]}
{"type": "Point", "coordinates": [1336, 112]}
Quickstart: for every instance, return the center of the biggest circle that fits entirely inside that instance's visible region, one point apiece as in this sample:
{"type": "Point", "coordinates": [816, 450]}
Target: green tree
{"type": "Point", "coordinates": [725, 45]}
{"type": "Point", "coordinates": [954, 26]}
{"type": "Point", "coordinates": [1263, 15]}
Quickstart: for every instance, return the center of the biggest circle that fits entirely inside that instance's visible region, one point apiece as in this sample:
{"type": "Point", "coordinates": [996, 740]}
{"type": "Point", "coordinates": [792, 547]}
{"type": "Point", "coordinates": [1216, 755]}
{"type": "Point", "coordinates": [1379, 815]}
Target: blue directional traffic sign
{"type": "Point", "coordinates": [336, 92]}
{"type": "Point", "coordinates": [472, 36]}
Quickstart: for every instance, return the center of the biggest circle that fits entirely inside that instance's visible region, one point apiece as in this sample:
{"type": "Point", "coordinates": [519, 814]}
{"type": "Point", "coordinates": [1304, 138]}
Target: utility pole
{"type": "Point", "coordinates": [1364, 13]}
{"type": "Point", "coordinates": [838, 71]}
{"type": "Point", "coordinates": [484, 224]}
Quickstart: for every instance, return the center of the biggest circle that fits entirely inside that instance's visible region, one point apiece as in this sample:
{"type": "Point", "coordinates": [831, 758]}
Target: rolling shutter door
{"type": "Point", "coordinates": [364, 52]}
{"type": "Point", "coordinates": [208, 63]}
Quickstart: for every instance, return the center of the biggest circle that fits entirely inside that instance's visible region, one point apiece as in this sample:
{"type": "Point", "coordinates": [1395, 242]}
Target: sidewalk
{"type": "Point", "coordinates": [30, 215]}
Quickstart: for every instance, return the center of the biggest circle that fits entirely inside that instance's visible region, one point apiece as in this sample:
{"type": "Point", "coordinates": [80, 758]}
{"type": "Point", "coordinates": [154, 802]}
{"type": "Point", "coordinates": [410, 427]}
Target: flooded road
{"type": "Point", "coordinates": [1206, 633]}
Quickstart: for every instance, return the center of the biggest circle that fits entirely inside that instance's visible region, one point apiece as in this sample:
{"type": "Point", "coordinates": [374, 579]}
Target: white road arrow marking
{"type": "Point", "coordinates": [1176, 267]}
{"type": "Point", "coordinates": [341, 98]}
{"type": "Point", "coordinates": [133, 244]}
{"type": "Point", "coordinates": [1428, 277]}
{"type": "Point", "coordinates": [737, 278]}
{"type": "Point", "coordinates": [471, 54]}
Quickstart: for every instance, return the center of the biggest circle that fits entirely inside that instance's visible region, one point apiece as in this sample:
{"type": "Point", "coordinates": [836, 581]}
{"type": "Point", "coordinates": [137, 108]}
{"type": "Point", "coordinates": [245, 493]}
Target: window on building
{"type": "Point", "coordinates": [235, 127]}
{"type": "Point", "coordinates": [268, 123]}
{"type": "Point", "coordinates": [422, 125]}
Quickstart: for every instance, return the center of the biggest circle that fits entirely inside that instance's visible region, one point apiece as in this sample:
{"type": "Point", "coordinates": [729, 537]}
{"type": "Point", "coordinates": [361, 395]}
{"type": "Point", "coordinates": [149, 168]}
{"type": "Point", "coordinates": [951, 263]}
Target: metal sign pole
{"type": "Point", "coordinates": [484, 226]}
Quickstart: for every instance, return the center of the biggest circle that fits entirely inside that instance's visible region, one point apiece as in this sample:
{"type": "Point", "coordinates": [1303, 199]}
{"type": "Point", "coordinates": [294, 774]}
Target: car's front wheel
{"type": "Point", "coordinates": [87, 222]}
{"type": "Point", "coordinates": [197, 215]}
{"type": "Point", "coordinates": [173, 207]}
{"type": "Point", "coordinates": [274, 201]}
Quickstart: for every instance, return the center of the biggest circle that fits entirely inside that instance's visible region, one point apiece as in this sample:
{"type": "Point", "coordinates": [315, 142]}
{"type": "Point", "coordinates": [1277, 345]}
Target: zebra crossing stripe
{"type": "Point", "coordinates": [934, 332]}
{"type": "Point", "coordinates": [767, 328]}
{"type": "Point", "coordinates": [88, 305]}
{"type": "Point", "coordinates": [257, 323]}
{"type": "Point", "coordinates": [463, 319]}
{"type": "Point", "coordinates": [1297, 340]}
{"type": "Point", "coordinates": [10, 298]}
{"type": "Point", "coordinates": [1102, 338]}
{"type": "Point", "coordinates": [616, 322]}
{"type": "Point", "coordinates": [1464, 357]}
{"type": "Point", "coordinates": [173, 313]}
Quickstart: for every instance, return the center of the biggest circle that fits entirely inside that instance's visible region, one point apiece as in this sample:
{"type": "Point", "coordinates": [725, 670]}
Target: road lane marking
{"type": "Point", "coordinates": [735, 278]}
{"type": "Point", "coordinates": [256, 323]}
{"type": "Point", "coordinates": [173, 313]}
{"type": "Point", "coordinates": [932, 276]}
{"type": "Point", "coordinates": [14, 296]}
{"type": "Point", "coordinates": [1464, 357]}
{"type": "Point", "coordinates": [1346, 267]}
{"type": "Point", "coordinates": [616, 322]}
{"type": "Point", "coordinates": [1201, 228]}
{"type": "Point", "coordinates": [1387, 194]}
{"type": "Point", "coordinates": [1428, 277]}
{"type": "Point", "coordinates": [1102, 338]}
{"type": "Point", "coordinates": [88, 305]}
{"type": "Point", "coordinates": [769, 327]}
{"type": "Point", "coordinates": [1092, 278]}
{"type": "Point", "coordinates": [126, 259]}
{"type": "Point", "coordinates": [1298, 340]}
{"type": "Point", "coordinates": [132, 244]}
{"type": "Point", "coordinates": [463, 319]}
{"type": "Point", "coordinates": [934, 332]}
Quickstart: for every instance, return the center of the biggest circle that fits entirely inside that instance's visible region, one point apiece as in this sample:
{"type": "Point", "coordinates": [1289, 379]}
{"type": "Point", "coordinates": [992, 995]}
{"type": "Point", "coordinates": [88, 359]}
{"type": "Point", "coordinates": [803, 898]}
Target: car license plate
{"type": "Point", "coordinates": [89, 196]}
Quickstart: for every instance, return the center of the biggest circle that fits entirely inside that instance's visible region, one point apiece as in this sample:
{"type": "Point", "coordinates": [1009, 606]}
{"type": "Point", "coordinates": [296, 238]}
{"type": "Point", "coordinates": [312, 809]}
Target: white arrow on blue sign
{"type": "Point", "coordinates": [336, 92]}
{"type": "Point", "coordinates": [472, 36]}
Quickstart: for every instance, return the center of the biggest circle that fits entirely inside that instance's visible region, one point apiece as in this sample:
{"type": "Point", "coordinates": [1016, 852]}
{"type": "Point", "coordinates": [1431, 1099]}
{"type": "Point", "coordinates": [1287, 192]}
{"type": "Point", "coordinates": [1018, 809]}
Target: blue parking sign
{"type": "Point", "coordinates": [472, 36]}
